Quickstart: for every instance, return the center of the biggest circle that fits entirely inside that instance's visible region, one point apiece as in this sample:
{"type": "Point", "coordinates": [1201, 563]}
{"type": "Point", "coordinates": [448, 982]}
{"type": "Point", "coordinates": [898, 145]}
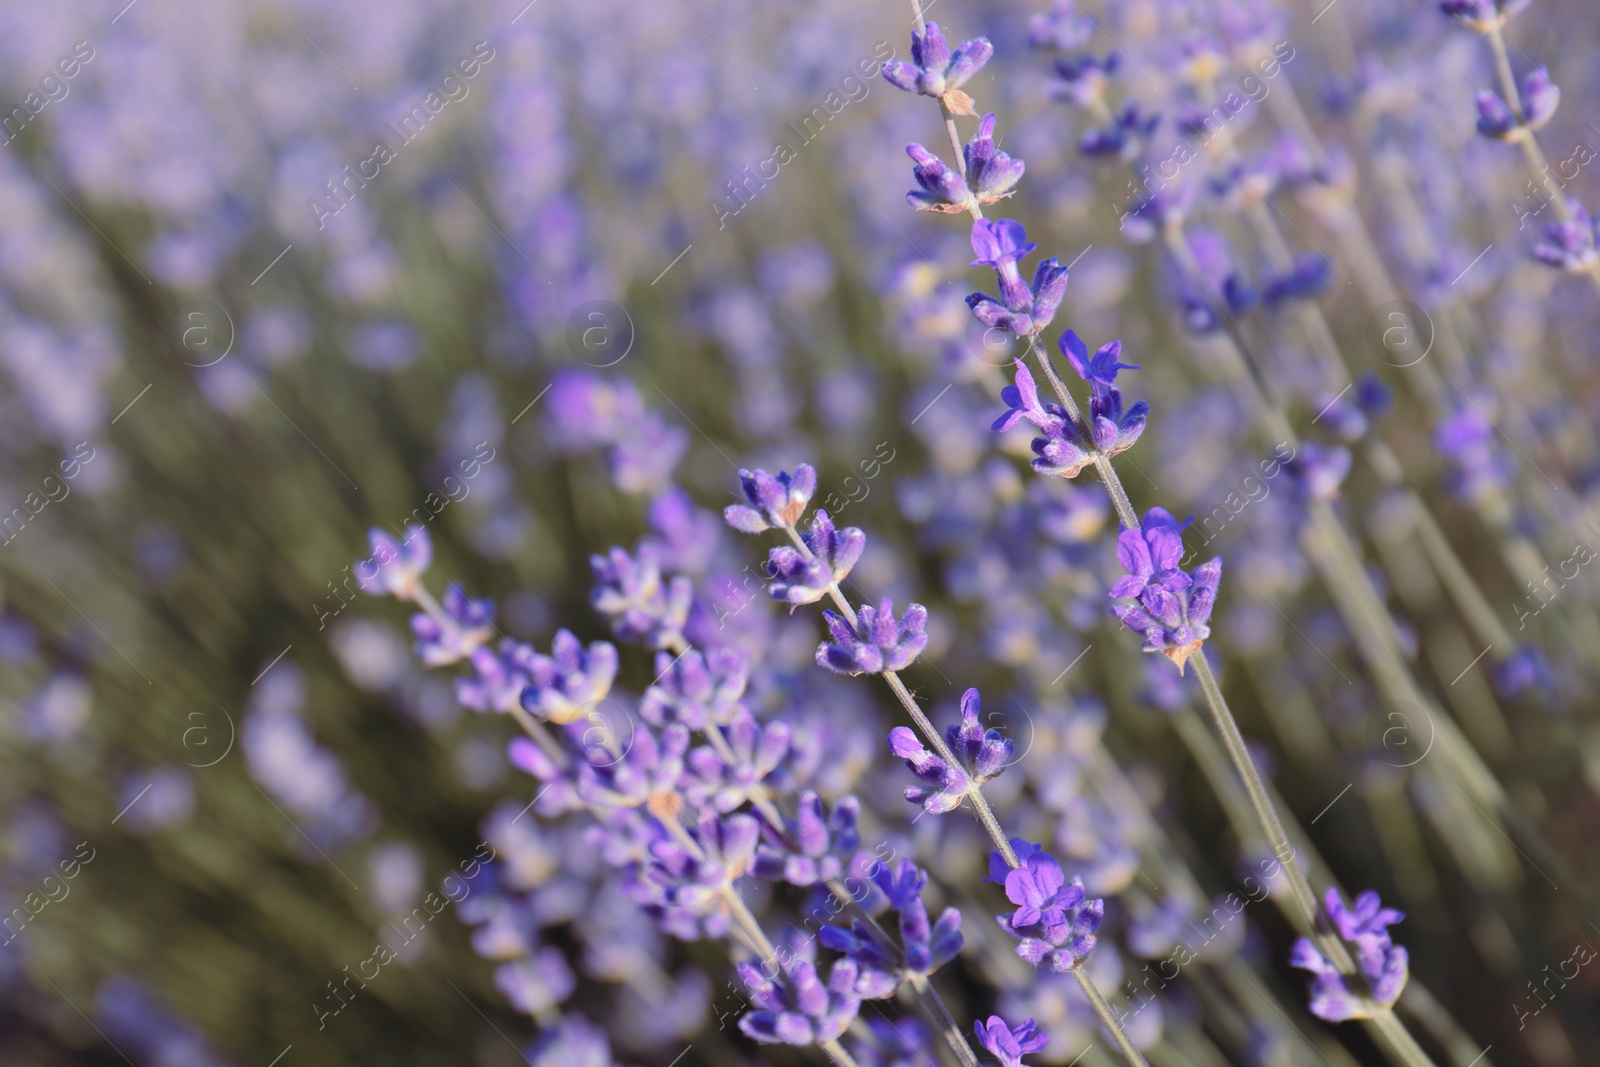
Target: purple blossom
{"type": "Point", "coordinates": [395, 569]}
{"type": "Point", "coordinates": [1308, 277]}
{"type": "Point", "coordinates": [801, 1010]}
{"type": "Point", "coordinates": [935, 71]}
{"type": "Point", "coordinates": [684, 888]}
{"type": "Point", "coordinates": [924, 948]}
{"type": "Point", "coordinates": [1022, 309]}
{"type": "Point", "coordinates": [876, 643]}
{"type": "Point", "coordinates": [498, 677]}
{"type": "Point", "coordinates": [1482, 15]}
{"type": "Point", "coordinates": [877, 969]}
{"type": "Point", "coordinates": [797, 579]}
{"type": "Point", "coordinates": [1122, 137]}
{"type": "Point", "coordinates": [943, 189]}
{"type": "Point", "coordinates": [1009, 1043]}
{"type": "Point", "coordinates": [1569, 246]}
{"type": "Point", "coordinates": [1383, 964]}
{"type": "Point", "coordinates": [1318, 472]}
{"type": "Point", "coordinates": [696, 688]}
{"type": "Point", "coordinates": [641, 604]}
{"type": "Point", "coordinates": [646, 773]}
{"type": "Point", "coordinates": [1081, 78]}
{"type": "Point", "coordinates": [1055, 921]}
{"type": "Point", "coordinates": [1061, 451]}
{"type": "Point", "coordinates": [982, 755]}
{"type": "Point", "coordinates": [756, 751]}
{"type": "Point", "coordinates": [1063, 27]}
{"type": "Point", "coordinates": [1173, 607]}
{"type": "Point", "coordinates": [564, 686]}
{"type": "Point", "coordinates": [1100, 371]}
{"type": "Point", "coordinates": [468, 623]}
{"type": "Point", "coordinates": [818, 845]}
{"type": "Point", "coordinates": [772, 501]}
{"type": "Point", "coordinates": [990, 172]}
{"type": "Point", "coordinates": [1540, 97]}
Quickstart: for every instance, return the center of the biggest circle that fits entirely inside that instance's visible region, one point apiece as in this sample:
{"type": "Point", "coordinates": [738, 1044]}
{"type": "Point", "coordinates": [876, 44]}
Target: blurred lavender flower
{"type": "Point", "coordinates": [685, 883]}
{"type": "Point", "coordinates": [1381, 962]}
{"type": "Point", "coordinates": [696, 688]}
{"type": "Point", "coordinates": [1062, 28]}
{"type": "Point", "coordinates": [1081, 78]}
{"type": "Point", "coordinates": [1540, 97]}
{"type": "Point", "coordinates": [726, 779]}
{"type": "Point", "coordinates": [468, 623]}
{"type": "Point", "coordinates": [1123, 136]}
{"type": "Point", "coordinates": [937, 72]}
{"type": "Point", "coordinates": [876, 642]}
{"type": "Point", "coordinates": [641, 604]}
{"type": "Point", "coordinates": [565, 685]}
{"type": "Point", "coordinates": [396, 569]}
{"type": "Point", "coordinates": [801, 1010]}
{"type": "Point", "coordinates": [1318, 472]}
{"type": "Point", "coordinates": [573, 1042]}
{"type": "Point", "coordinates": [822, 844]}
{"type": "Point", "coordinates": [1482, 15]}
{"type": "Point", "coordinates": [1569, 246]}
{"type": "Point", "coordinates": [1009, 1043]}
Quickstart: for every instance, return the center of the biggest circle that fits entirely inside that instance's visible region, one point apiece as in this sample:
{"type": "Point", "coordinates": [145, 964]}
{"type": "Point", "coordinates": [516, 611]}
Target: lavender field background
{"type": "Point", "coordinates": [501, 503]}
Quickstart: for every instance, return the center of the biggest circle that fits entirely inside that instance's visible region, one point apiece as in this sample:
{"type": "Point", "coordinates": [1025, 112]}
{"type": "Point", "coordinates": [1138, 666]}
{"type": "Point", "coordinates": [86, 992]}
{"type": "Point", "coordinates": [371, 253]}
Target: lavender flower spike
{"type": "Point", "coordinates": [1381, 962]}
{"type": "Point", "coordinates": [564, 686]}
{"type": "Point", "coordinates": [1569, 246]}
{"type": "Point", "coordinates": [773, 501]}
{"type": "Point", "coordinates": [799, 1012]}
{"type": "Point", "coordinates": [1173, 607]}
{"type": "Point", "coordinates": [983, 755]}
{"type": "Point", "coordinates": [1482, 15]}
{"type": "Point", "coordinates": [1055, 921]}
{"type": "Point", "coordinates": [1009, 1043]}
{"type": "Point", "coordinates": [876, 643]}
{"type": "Point", "coordinates": [934, 71]}
{"type": "Point", "coordinates": [1022, 309]}
{"type": "Point", "coordinates": [798, 580]}
{"type": "Point", "coordinates": [396, 569]}
{"type": "Point", "coordinates": [468, 624]}
{"type": "Point", "coordinates": [1061, 450]}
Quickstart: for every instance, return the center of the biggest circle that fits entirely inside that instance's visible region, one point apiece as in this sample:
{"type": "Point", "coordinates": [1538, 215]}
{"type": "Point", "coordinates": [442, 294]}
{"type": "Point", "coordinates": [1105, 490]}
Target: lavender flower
{"type": "Point", "coordinates": [821, 846]}
{"type": "Point", "coordinates": [876, 643]}
{"type": "Point", "coordinates": [564, 686]}
{"type": "Point", "coordinates": [937, 72]}
{"type": "Point", "coordinates": [1061, 450]}
{"type": "Point", "coordinates": [1173, 607]}
{"type": "Point", "coordinates": [801, 1010]}
{"type": "Point", "coordinates": [1482, 15]}
{"type": "Point", "coordinates": [990, 172]}
{"type": "Point", "coordinates": [772, 501]}
{"type": "Point", "coordinates": [395, 569]}
{"type": "Point", "coordinates": [695, 688]}
{"type": "Point", "coordinates": [1009, 1043]}
{"type": "Point", "coordinates": [1054, 921]}
{"type": "Point", "coordinates": [641, 604]}
{"type": "Point", "coordinates": [924, 948]}
{"type": "Point", "coordinates": [498, 677]}
{"type": "Point", "coordinates": [1081, 79]}
{"type": "Point", "coordinates": [1540, 96]}
{"type": "Point", "coordinates": [1381, 962]}
{"type": "Point", "coordinates": [983, 755]}
{"type": "Point", "coordinates": [799, 580]}
{"type": "Point", "coordinates": [1114, 430]}
{"type": "Point", "coordinates": [1569, 246]}
{"type": "Point", "coordinates": [1318, 472]}
{"type": "Point", "coordinates": [468, 624]}
{"type": "Point", "coordinates": [684, 887]}
{"type": "Point", "coordinates": [756, 751]}
{"type": "Point", "coordinates": [1063, 27]}
{"type": "Point", "coordinates": [1022, 309]}
{"type": "Point", "coordinates": [646, 774]}
{"type": "Point", "coordinates": [1122, 136]}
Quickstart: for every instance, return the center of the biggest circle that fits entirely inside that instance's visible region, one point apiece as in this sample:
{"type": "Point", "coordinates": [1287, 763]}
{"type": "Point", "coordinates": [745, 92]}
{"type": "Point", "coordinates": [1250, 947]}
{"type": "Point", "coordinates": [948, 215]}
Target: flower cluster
{"type": "Point", "coordinates": [874, 642]}
{"type": "Point", "coordinates": [1382, 963]}
{"type": "Point", "coordinates": [1171, 607]}
{"type": "Point", "coordinates": [981, 755]}
{"type": "Point", "coordinates": [938, 72]}
{"type": "Point", "coordinates": [1055, 921]}
{"type": "Point", "coordinates": [805, 577]}
{"type": "Point", "coordinates": [1023, 309]}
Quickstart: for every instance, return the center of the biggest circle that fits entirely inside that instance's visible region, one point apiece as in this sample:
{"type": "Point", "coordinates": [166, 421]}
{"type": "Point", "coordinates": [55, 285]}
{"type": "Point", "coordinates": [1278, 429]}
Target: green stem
{"type": "Point", "coordinates": [1103, 1010]}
